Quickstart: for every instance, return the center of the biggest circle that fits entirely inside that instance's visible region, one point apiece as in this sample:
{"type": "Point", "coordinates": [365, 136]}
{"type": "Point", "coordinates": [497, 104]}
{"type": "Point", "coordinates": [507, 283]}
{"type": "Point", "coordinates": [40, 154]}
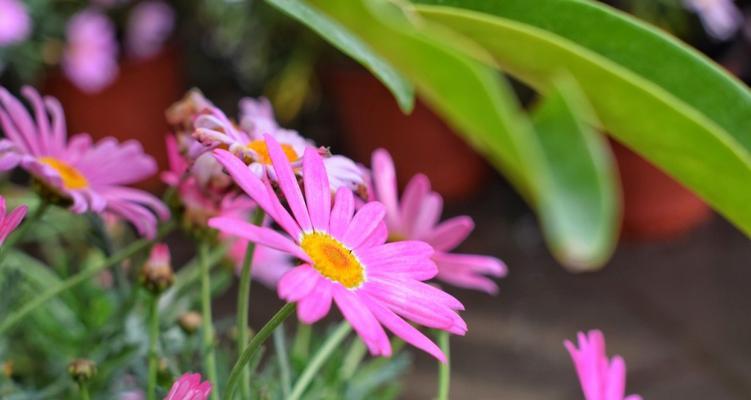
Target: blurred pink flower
{"type": "Point", "coordinates": [268, 264]}
{"type": "Point", "coordinates": [15, 24]}
{"type": "Point", "coordinates": [189, 387]}
{"type": "Point", "coordinates": [90, 58]}
{"type": "Point", "coordinates": [10, 221]}
{"type": "Point", "coordinates": [345, 257]}
{"type": "Point", "coordinates": [601, 378]}
{"type": "Point", "coordinates": [721, 18]}
{"type": "Point", "coordinates": [149, 25]}
{"type": "Point", "coordinates": [92, 175]}
{"type": "Point", "coordinates": [416, 218]}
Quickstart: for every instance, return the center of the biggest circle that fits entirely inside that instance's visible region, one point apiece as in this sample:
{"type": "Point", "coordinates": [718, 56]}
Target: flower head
{"type": "Point", "coordinates": [15, 24]}
{"type": "Point", "coordinates": [90, 58]}
{"type": "Point", "coordinates": [601, 378]}
{"type": "Point", "coordinates": [189, 387]}
{"type": "Point", "coordinates": [91, 175]}
{"type": "Point", "coordinates": [149, 25]}
{"type": "Point", "coordinates": [344, 255]}
{"type": "Point", "coordinates": [10, 221]}
{"type": "Point", "coordinates": [156, 273]}
{"type": "Point", "coordinates": [416, 217]}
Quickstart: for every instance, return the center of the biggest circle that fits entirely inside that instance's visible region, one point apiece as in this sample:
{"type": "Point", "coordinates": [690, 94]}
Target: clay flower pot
{"type": "Point", "coordinates": [132, 107]}
{"type": "Point", "coordinates": [655, 206]}
{"type": "Point", "coordinates": [419, 142]}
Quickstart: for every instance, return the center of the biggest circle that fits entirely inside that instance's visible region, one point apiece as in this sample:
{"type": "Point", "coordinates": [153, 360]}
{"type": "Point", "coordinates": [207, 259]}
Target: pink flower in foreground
{"type": "Point", "coordinates": [189, 387]}
{"type": "Point", "coordinates": [10, 221]}
{"type": "Point", "coordinates": [149, 25]}
{"type": "Point", "coordinates": [91, 175]}
{"type": "Point", "coordinates": [344, 256]}
{"type": "Point", "coordinates": [601, 378]}
{"type": "Point", "coordinates": [416, 218]}
{"type": "Point", "coordinates": [90, 58]}
{"type": "Point", "coordinates": [15, 24]}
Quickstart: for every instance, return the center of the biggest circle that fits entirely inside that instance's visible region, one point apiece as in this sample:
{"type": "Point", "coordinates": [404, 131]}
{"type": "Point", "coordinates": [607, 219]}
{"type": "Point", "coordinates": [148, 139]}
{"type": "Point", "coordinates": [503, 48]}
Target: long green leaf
{"type": "Point", "coordinates": [665, 129]}
{"type": "Point", "coordinates": [349, 44]}
{"type": "Point", "coordinates": [582, 205]}
{"type": "Point", "coordinates": [475, 99]}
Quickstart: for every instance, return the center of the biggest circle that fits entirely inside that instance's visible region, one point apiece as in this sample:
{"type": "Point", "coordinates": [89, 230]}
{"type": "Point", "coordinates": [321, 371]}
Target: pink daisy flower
{"type": "Point", "coordinates": [189, 387]}
{"type": "Point", "coordinates": [15, 24]}
{"type": "Point", "coordinates": [601, 378]}
{"type": "Point", "coordinates": [246, 142]}
{"type": "Point", "coordinates": [90, 58]}
{"type": "Point", "coordinates": [92, 175]}
{"type": "Point", "coordinates": [416, 218]}
{"type": "Point", "coordinates": [345, 257]}
{"type": "Point", "coordinates": [10, 221]}
{"type": "Point", "coordinates": [149, 25]}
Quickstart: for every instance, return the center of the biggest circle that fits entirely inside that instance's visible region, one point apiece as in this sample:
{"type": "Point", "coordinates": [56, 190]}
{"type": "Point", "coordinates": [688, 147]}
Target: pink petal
{"type": "Point", "coordinates": [396, 287]}
{"type": "Point", "coordinates": [378, 237]}
{"type": "Point", "coordinates": [407, 257]}
{"type": "Point", "coordinates": [288, 183]}
{"type": "Point", "coordinates": [341, 214]}
{"type": "Point", "coordinates": [363, 321]}
{"type": "Point", "coordinates": [384, 179]}
{"type": "Point", "coordinates": [450, 233]}
{"type": "Point", "coordinates": [280, 214]}
{"type": "Point", "coordinates": [616, 380]}
{"type": "Point", "coordinates": [314, 306]}
{"type": "Point", "coordinates": [298, 283]}
{"type": "Point", "coordinates": [244, 178]}
{"type": "Point", "coordinates": [413, 200]}
{"type": "Point", "coordinates": [404, 330]}
{"type": "Point", "coordinates": [363, 224]}
{"type": "Point", "coordinates": [317, 192]}
{"type": "Point", "coordinates": [428, 216]}
{"type": "Point", "coordinates": [264, 236]}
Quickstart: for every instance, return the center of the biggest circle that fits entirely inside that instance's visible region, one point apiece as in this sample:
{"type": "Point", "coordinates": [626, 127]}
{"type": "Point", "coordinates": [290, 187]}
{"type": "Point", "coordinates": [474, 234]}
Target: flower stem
{"type": "Point", "coordinates": [243, 301]}
{"type": "Point", "coordinates": [444, 369]}
{"type": "Point", "coordinates": [315, 364]}
{"type": "Point", "coordinates": [153, 339]}
{"type": "Point", "coordinates": [80, 277]}
{"type": "Point", "coordinates": [302, 342]}
{"type": "Point", "coordinates": [280, 347]}
{"type": "Point", "coordinates": [84, 389]}
{"type": "Point", "coordinates": [16, 236]}
{"type": "Point", "coordinates": [255, 344]}
{"type": "Point", "coordinates": [208, 324]}
{"type": "Point", "coordinates": [352, 359]}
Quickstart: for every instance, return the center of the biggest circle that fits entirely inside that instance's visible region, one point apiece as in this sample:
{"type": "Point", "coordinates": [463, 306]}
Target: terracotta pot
{"type": "Point", "coordinates": [419, 142]}
{"type": "Point", "coordinates": [654, 205]}
{"type": "Point", "coordinates": [132, 107]}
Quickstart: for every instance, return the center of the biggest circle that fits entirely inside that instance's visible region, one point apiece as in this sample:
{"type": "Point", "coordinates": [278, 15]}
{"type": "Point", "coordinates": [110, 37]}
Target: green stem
{"type": "Point", "coordinates": [302, 342]}
{"type": "Point", "coordinates": [84, 389]}
{"type": "Point", "coordinates": [323, 354]}
{"type": "Point", "coordinates": [80, 277]}
{"type": "Point", "coordinates": [153, 339]}
{"type": "Point", "coordinates": [352, 359]}
{"type": "Point", "coordinates": [243, 305]}
{"type": "Point", "coordinates": [16, 236]}
{"type": "Point", "coordinates": [281, 355]}
{"type": "Point", "coordinates": [255, 344]}
{"type": "Point", "coordinates": [208, 324]}
{"type": "Point", "coordinates": [444, 369]}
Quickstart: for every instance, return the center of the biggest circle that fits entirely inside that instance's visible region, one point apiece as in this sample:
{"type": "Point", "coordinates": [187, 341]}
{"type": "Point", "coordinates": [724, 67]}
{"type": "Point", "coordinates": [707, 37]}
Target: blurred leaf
{"type": "Point", "coordinates": [349, 44]}
{"type": "Point", "coordinates": [651, 113]}
{"type": "Point", "coordinates": [473, 97]}
{"type": "Point", "coordinates": [582, 208]}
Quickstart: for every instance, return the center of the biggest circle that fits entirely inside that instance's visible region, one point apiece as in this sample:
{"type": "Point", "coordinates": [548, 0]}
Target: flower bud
{"type": "Point", "coordinates": [190, 322]}
{"type": "Point", "coordinates": [82, 370]}
{"type": "Point", "coordinates": [156, 274]}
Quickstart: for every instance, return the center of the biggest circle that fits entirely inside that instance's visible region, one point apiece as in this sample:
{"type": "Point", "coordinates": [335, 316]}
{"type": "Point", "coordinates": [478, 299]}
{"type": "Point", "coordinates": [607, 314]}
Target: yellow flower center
{"type": "Point", "coordinates": [259, 147]}
{"type": "Point", "coordinates": [72, 178]}
{"type": "Point", "coordinates": [333, 260]}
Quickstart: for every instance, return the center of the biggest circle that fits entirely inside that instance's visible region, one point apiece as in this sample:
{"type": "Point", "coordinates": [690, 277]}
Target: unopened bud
{"type": "Point", "coordinates": [190, 322]}
{"type": "Point", "coordinates": [7, 368]}
{"type": "Point", "coordinates": [156, 274]}
{"type": "Point", "coordinates": [82, 370]}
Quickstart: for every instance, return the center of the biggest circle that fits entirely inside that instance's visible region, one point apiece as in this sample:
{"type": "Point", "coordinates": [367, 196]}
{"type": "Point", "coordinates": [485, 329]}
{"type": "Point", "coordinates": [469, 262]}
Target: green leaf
{"type": "Point", "coordinates": [476, 100]}
{"type": "Point", "coordinates": [666, 129]}
{"type": "Point", "coordinates": [581, 208]}
{"type": "Point", "coordinates": [349, 44]}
